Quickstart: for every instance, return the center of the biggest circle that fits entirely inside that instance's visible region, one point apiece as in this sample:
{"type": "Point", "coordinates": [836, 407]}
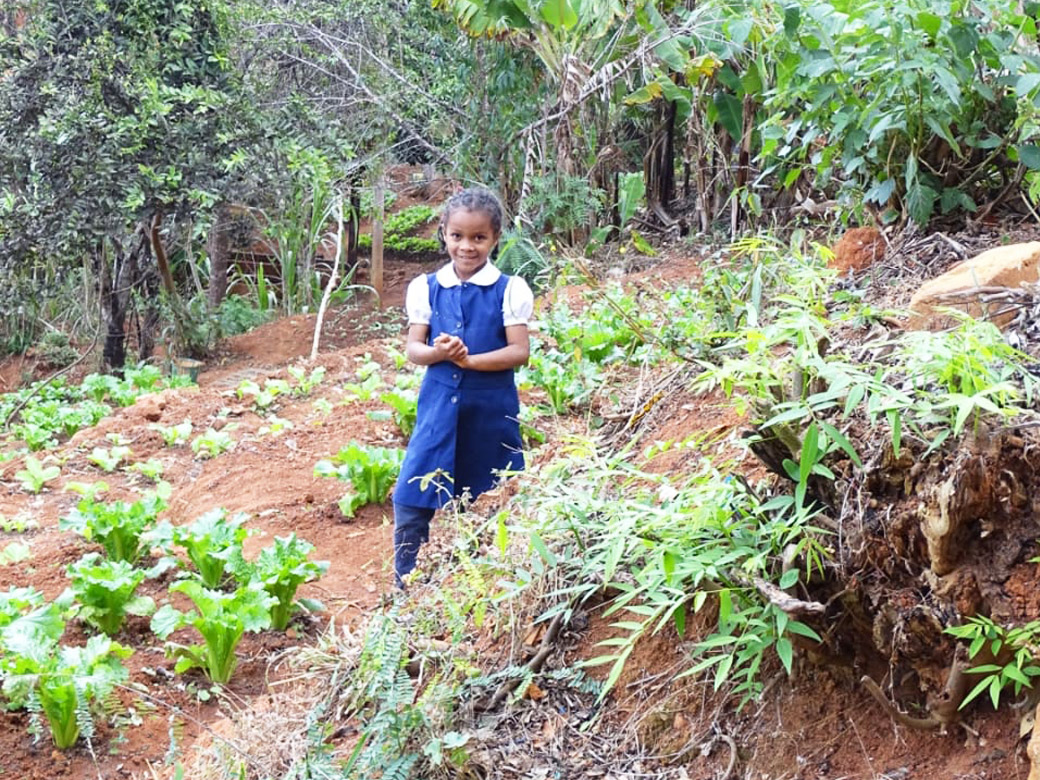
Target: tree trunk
{"type": "Point", "coordinates": [146, 284]}
{"type": "Point", "coordinates": [659, 165]}
{"type": "Point", "coordinates": [743, 173]}
{"type": "Point", "coordinates": [353, 225]}
{"type": "Point", "coordinates": [376, 270]}
{"type": "Point", "coordinates": [115, 279]}
{"type": "Point", "coordinates": [218, 247]}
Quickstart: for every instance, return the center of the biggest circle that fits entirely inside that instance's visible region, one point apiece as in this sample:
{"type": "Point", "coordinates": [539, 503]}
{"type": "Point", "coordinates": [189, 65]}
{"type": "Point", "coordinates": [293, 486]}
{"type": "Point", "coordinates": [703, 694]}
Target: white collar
{"type": "Point", "coordinates": [485, 277]}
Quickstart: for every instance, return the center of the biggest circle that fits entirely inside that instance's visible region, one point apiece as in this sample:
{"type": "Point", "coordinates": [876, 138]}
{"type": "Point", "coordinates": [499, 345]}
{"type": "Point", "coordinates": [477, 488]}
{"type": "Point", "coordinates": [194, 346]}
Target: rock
{"type": "Point", "coordinates": [1003, 266]}
{"type": "Point", "coordinates": [859, 248]}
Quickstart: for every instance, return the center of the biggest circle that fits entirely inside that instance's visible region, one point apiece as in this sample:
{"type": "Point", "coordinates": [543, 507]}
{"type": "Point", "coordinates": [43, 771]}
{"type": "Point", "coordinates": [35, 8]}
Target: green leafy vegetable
{"type": "Point", "coordinates": [211, 541]}
{"type": "Point", "coordinates": [105, 591]}
{"type": "Point", "coordinates": [371, 471]}
{"type": "Point", "coordinates": [116, 526]}
{"type": "Point", "coordinates": [281, 569]}
{"type": "Point", "coordinates": [35, 475]}
{"type": "Point", "coordinates": [221, 619]}
{"type": "Point", "coordinates": [65, 683]}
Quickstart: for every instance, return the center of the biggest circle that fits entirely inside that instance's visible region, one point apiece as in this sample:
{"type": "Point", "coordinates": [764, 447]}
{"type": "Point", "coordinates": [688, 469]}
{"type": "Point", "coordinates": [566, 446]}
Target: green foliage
{"type": "Point", "coordinates": [105, 591]}
{"type": "Point", "coordinates": [211, 443]}
{"type": "Point", "coordinates": [54, 350]}
{"type": "Point", "coordinates": [519, 255]}
{"type": "Point", "coordinates": [567, 381]}
{"type": "Point", "coordinates": [380, 686]}
{"type": "Point", "coordinates": [212, 541]}
{"type": "Point", "coordinates": [1012, 654]}
{"type": "Point", "coordinates": [18, 601]}
{"type": "Point", "coordinates": [220, 618]}
{"type": "Point", "coordinates": [929, 383]}
{"type": "Point", "coordinates": [371, 472]}
{"type": "Point", "coordinates": [91, 143]}
{"type": "Point", "coordinates": [35, 475]}
{"type": "Point", "coordinates": [296, 231]}
{"type": "Point", "coordinates": [116, 526]}
{"type": "Point", "coordinates": [405, 405]}
{"type": "Point", "coordinates": [559, 204]}
{"type": "Point", "coordinates": [56, 410]}
{"type": "Point", "coordinates": [238, 314]}
{"type": "Point", "coordinates": [20, 523]}
{"type": "Point", "coordinates": [911, 107]}
{"type": "Point", "coordinates": [263, 398]}
{"type": "Point", "coordinates": [667, 549]}
{"type": "Point", "coordinates": [397, 226]}
{"type": "Point", "coordinates": [369, 381]}
{"type": "Point", "coordinates": [608, 328]}
{"type": "Point", "coordinates": [280, 569]}
{"type": "Point", "coordinates": [174, 435]}
{"type": "Point", "coordinates": [108, 460]}
{"type": "Point", "coordinates": [304, 383]}
{"type": "Point", "coordinates": [64, 683]}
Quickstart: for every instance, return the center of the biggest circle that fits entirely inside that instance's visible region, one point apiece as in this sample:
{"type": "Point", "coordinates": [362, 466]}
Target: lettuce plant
{"type": "Point", "coordinates": [221, 619]}
{"type": "Point", "coordinates": [65, 683]}
{"type": "Point", "coordinates": [211, 541]}
{"type": "Point", "coordinates": [405, 404]}
{"type": "Point", "coordinates": [35, 475]}
{"type": "Point", "coordinates": [151, 468]}
{"type": "Point", "coordinates": [116, 526]}
{"type": "Point", "coordinates": [108, 460]}
{"type": "Point", "coordinates": [174, 435]}
{"type": "Point", "coordinates": [281, 569]}
{"type": "Point", "coordinates": [211, 443]}
{"type": "Point", "coordinates": [17, 602]}
{"type": "Point", "coordinates": [145, 377]}
{"type": "Point", "coordinates": [99, 386]}
{"type": "Point", "coordinates": [306, 382]}
{"type": "Point", "coordinates": [105, 591]}
{"type": "Point", "coordinates": [371, 471]}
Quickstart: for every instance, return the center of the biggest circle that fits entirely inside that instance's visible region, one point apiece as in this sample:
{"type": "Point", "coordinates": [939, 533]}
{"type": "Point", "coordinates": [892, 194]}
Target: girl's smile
{"type": "Point", "coordinates": [469, 237]}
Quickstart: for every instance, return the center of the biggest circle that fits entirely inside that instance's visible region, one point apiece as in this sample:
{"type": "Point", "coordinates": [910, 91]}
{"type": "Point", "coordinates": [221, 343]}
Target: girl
{"type": "Point", "coordinates": [468, 324]}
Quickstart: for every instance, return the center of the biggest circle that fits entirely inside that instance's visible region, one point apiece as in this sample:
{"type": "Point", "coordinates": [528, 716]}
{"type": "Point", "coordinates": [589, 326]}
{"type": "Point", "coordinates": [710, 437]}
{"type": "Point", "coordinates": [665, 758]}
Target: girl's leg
{"type": "Point", "coordinates": [411, 531]}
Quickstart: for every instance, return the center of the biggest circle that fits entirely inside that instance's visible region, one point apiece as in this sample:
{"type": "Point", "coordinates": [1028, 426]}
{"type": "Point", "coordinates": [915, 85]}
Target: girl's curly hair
{"type": "Point", "coordinates": [479, 199]}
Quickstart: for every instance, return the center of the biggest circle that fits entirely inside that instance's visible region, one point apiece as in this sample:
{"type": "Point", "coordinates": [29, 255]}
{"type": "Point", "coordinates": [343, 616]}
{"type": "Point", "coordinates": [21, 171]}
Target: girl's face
{"type": "Point", "coordinates": [470, 238]}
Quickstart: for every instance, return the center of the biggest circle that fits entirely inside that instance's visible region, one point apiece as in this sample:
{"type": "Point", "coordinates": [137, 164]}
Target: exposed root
{"type": "Point", "coordinates": [533, 666]}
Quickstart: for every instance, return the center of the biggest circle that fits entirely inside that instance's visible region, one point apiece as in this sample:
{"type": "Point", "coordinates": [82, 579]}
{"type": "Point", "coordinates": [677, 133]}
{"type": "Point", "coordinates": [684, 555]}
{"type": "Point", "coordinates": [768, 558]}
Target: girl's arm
{"type": "Point", "coordinates": [443, 348]}
{"type": "Point", "coordinates": [515, 353]}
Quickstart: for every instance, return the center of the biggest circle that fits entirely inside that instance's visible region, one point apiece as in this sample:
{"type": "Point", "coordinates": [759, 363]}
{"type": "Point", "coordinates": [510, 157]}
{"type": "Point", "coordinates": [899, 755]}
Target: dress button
{"type": "Point", "coordinates": [454, 399]}
{"type": "Point", "coordinates": [458, 324]}
{"type": "Point", "coordinates": [455, 376]}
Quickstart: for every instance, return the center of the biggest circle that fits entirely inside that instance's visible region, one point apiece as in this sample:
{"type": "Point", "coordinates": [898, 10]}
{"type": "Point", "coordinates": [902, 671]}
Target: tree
{"type": "Point", "coordinates": [113, 116]}
{"type": "Point", "coordinates": [593, 53]}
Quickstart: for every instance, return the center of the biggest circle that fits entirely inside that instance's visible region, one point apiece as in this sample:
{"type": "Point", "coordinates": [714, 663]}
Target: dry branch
{"type": "Point", "coordinates": [785, 602]}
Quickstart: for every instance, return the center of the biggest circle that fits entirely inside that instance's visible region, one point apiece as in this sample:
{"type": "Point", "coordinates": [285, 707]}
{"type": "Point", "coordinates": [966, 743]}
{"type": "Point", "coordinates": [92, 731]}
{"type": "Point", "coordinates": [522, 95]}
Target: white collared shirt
{"type": "Point", "coordinates": [517, 303]}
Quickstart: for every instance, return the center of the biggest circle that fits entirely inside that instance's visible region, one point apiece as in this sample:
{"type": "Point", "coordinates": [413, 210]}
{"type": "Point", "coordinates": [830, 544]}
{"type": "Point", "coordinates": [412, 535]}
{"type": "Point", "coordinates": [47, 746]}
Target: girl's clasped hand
{"type": "Point", "coordinates": [452, 347]}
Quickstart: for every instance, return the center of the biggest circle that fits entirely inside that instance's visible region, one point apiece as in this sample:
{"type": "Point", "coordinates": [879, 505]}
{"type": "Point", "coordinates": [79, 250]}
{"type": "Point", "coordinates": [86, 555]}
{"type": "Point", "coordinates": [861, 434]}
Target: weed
{"type": "Point", "coordinates": [1013, 652]}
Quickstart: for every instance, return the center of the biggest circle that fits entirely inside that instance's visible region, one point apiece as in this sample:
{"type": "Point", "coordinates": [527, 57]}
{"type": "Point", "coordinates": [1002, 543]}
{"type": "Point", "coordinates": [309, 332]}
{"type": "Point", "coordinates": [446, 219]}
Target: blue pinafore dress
{"type": "Point", "coordinates": [467, 426]}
